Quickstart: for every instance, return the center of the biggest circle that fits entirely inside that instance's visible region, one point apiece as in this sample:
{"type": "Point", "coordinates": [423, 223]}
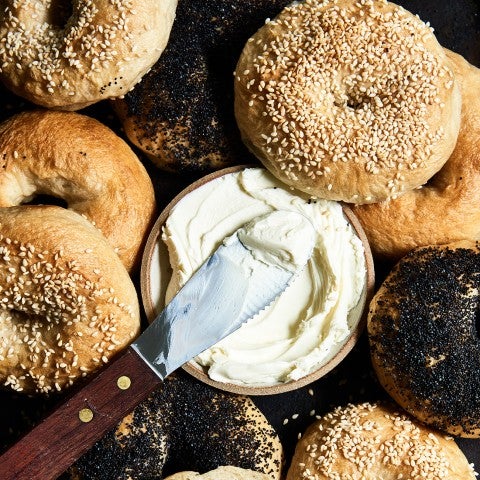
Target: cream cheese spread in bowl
{"type": "Point", "coordinates": [309, 325]}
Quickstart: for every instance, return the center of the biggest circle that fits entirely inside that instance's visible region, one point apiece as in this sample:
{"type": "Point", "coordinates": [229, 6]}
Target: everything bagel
{"type": "Point", "coordinates": [181, 113]}
{"type": "Point", "coordinates": [423, 336]}
{"type": "Point", "coordinates": [185, 425]}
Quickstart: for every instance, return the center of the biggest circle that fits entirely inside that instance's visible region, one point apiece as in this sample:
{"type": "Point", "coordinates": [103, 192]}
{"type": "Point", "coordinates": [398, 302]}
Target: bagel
{"type": "Point", "coordinates": [375, 441]}
{"type": "Point", "coordinates": [412, 220]}
{"type": "Point", "coordinates": [221, 473]}
{"type": "Point", "coordinates": [184, 425]}
{"type": "Point", "coordinates": [347, 100]}
{"type": "Point", "coordinates": [77, 159]}
{"type": "Point", "coordinates": [67, 302]}
{"type": "Point", "coordinates": [181, 114]}
{"type": "Point", "coordinates": [69, 60]}
{"type": "Point", "coordinates": [423, 339]}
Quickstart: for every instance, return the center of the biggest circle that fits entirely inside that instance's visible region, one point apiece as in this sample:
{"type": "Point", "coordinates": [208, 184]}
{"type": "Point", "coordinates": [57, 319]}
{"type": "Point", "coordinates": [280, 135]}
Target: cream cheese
{"type": "Point", "coordinates": [281, 238]}
{"type": "Point", "coordinates": [309, 322]}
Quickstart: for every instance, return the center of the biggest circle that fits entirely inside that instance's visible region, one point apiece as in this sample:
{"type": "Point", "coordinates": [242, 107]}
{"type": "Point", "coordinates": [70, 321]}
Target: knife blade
{"type": "Point", "coordinates": [230, 287]}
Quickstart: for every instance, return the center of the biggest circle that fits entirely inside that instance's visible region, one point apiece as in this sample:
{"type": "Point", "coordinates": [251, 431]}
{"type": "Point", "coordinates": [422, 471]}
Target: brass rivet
{"type": "Point", "coordinates": [85, 415]}
{"type": "Point", "coordinates": [124, 382]}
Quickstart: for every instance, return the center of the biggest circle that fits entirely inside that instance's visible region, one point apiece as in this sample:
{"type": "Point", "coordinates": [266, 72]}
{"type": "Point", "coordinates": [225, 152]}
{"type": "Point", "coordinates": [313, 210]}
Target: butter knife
{"type": "Point", "coordinates": [232, 286]}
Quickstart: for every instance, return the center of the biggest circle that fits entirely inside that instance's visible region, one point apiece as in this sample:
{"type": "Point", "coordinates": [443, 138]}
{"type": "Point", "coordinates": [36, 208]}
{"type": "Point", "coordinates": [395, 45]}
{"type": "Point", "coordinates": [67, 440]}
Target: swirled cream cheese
{"type": "Point", "coordinates": [309, 322]}
{"type": "Point", "coordinates": [281, 238]}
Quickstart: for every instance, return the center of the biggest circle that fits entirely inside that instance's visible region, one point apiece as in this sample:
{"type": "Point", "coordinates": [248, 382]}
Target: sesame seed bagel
{"type": "Point", "coordinates": [221, 473]}
{"type": "Point", "coordinates": [423, 336]}
{"type": "Point", "coordinates": [181, 114]}
{"type": "Point", "coordinates": [70, 59]}
{"type": "Point", "coordinates": [79, 160]}
{"type": "Point", "coordinates": [185, 425]}
{"type": "Point", "coordinates": [67, 302]}
{"type": "Point", "coordinates": [395, 227]}
{"type": "Point", "coordinates": [375, 441]}
{"type": "Point", "coordinates": [347, 100]}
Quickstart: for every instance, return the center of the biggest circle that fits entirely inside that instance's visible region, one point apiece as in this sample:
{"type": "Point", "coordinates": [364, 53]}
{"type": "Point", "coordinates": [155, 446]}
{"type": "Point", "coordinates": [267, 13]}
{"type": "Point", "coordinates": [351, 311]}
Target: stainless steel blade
{"type": "Point", "coordinates": [229, 288]}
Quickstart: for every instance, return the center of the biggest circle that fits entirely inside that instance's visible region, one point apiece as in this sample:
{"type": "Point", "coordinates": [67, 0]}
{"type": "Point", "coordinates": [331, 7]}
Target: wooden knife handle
{"type": "Point", "coordinates": [61, 438]}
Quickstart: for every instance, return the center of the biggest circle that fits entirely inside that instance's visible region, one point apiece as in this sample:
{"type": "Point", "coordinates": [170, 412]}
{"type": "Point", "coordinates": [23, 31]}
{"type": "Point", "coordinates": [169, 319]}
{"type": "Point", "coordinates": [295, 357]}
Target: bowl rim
{"type": "Point", "coordinates": [194, 368]}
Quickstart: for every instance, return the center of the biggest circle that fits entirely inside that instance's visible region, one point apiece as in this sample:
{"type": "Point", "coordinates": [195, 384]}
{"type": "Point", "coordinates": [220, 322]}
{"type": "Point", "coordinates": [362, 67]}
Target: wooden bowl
{"type": "Point", "coordinates": [156, 272]}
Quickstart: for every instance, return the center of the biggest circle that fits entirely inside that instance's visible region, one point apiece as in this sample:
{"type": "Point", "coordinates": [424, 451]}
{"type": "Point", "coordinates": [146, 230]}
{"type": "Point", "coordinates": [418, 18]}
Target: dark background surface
{"type": "Point", "coordinates": [457, 26]}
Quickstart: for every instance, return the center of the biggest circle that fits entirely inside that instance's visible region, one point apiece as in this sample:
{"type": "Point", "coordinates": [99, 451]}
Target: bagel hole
{"type": "Point", "coordinates": [43, 199]}
{"type": "Point", "coordinates": [59, 13]}
{"type": "Point", "coordinates": [351, 103]}
{"type": "Point", "coordinates": [354, 105]}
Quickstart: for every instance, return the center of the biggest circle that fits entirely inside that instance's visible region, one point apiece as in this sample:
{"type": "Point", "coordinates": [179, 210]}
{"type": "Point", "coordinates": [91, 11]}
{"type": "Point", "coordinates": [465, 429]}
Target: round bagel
{"type": "Point", "coordinates": [67, 302]}
{"type": "Point", "coordinates": [423, 336]}
{"type": "Point", "coordinates": [184, 425]}
{"type": "Point", "coordinates": [452, 195]}
{"type": "Point", "coordinates": [221, 473]}
{"type": "Point", "coordinates": [375, 441]}
{"type": "Point", "coordinates": [347, 100]}
{"type": "Point", "coordinates": [75, 158]}
{"type": "Point", "coordinates": [68, 60]}
{"type": "Point", "coordinates": [181, 114]}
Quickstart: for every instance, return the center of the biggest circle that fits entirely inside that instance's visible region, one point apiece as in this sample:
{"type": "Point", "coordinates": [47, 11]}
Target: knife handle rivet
{"type": "Point", "coordinates": [124, 382]}
{"type": "Point", "coordinates": [85, 415]}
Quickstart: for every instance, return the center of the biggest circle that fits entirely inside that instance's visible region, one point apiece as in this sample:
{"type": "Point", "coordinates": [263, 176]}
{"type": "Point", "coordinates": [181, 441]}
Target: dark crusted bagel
{"type": "Point", "coordinates": [181, 114]}
{"type": "Point", "coordinates": [423, 336]}
{"type": "Point", "coordinates": [184, 425]}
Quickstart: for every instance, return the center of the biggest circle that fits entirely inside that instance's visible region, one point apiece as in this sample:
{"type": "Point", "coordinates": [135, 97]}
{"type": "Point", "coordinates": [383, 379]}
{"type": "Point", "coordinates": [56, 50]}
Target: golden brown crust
{"type": "Point", "coordinates": [423, 340]}
{"type": "Point", "coordinates": [412, 220]}
{"type": "Point", "coordinates": [185, 425]}
{"type": "Point", "coordinates": [329, 109]}
{"type": "Point", "coordinates": [373, 441]}
{"type": "Point", "coordinates": [220, 473]}
{"type": "Point", "coordinates": [100, 50]}
{"type": "Point", "coordinates": [68, 304]}
{"type": "Point", "coordinates": [76, 158]}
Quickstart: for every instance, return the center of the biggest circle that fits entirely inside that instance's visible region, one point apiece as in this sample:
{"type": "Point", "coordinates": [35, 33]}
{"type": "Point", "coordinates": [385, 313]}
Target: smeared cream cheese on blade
{"type": "Point", "coordinates": [282, 238]}
{"type": "Point", "coordinates": [309, 322]}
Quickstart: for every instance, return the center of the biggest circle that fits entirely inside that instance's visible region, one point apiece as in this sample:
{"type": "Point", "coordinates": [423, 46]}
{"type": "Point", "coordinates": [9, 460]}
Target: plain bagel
{"type": "Point", "coordinates": [445, 209]}
{"type": "Point", "coordinates": [347, 100]}
{"type": "Point", "coordinates": [79, 160]}
{"type": "Point", "coordinates": [68, 60]}
{"type": "Point", "coordinates": [67, 302]}
{"type": "Point", "coordinates": [373, 442]}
